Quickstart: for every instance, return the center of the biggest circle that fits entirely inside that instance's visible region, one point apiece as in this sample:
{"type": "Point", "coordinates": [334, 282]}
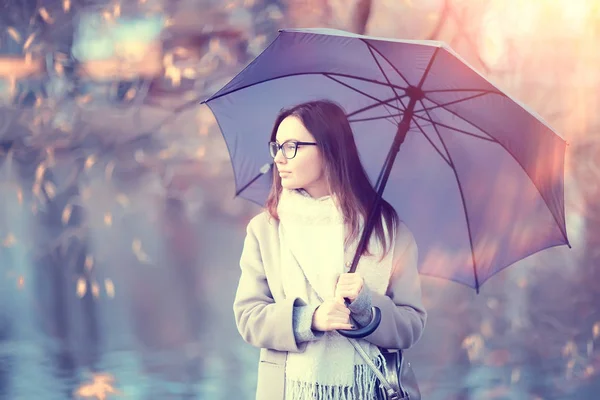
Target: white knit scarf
{"type": "Point", "coordinates": [312, 255]}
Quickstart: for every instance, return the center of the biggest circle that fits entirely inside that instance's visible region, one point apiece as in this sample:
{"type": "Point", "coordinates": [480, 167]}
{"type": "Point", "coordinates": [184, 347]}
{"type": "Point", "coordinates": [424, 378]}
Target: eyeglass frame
{"type": "Point", "coordinates": [280, 147]}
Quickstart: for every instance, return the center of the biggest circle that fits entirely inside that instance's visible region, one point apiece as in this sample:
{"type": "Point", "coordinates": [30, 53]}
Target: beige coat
{"type": "Point", "coordinates": [263, 314]}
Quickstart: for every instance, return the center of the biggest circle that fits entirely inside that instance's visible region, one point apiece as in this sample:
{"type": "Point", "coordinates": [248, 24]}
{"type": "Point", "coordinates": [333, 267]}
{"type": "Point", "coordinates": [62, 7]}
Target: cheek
{"type": "Point", "coordinates": [311, 170]}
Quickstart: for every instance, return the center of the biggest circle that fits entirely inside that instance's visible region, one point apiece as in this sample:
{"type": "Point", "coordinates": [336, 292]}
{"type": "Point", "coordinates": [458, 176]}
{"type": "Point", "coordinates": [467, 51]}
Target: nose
{"type": "Point", "coordinates": [279, 158]}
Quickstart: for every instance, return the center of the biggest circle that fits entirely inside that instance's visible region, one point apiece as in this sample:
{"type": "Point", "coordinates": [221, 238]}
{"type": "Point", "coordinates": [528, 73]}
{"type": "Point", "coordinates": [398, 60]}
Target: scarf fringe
{"type": "Point", "coordinates": [364, 386]}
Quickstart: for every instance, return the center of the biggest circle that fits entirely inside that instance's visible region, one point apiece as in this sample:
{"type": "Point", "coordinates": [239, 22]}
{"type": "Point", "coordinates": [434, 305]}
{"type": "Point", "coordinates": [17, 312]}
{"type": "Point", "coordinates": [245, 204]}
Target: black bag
{"type": "Point", "coordinates": [399, 383]}
{"type": "Point", "coordinates": [401, 380]}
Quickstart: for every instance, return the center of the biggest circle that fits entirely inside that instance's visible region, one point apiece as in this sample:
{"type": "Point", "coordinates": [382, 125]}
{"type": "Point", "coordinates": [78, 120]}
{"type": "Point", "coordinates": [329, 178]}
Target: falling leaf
{"type": "Point", "coordinates": [90, 161]}
{"type": "Point", "coordinates": [201, 152]}
{"type": "Point", "coordinates": [66, 5]}
{"type": "Point", "coordinates": [589, 371]}
{"type": "Point", "coordinates": [39, 172]}
{"type": "Point", "coordinates": [29, 41]}
{"type": "Point", "coordinates": [122, 200]}
{"type": "Point", "coordinates": [20, 282]}
{"type": "Point", "coordinates": [50, 189]}
{"type": "Point", "coordinates": [117, 10]}
{"type": "Point", "coordinates": [168, 59]}
{"type": "Point", "coordinates": [189, 73]}
{"type": "Point", "coordinates": [45, 16]}
{"type": "Point", "coordinates": [174, 74]}
{"type": "Point", "coordinates": [95, 289]}
{"type": "Point", "coordinates": [130, 93]}
{"type": "Point", "coordinates": [14, 34]}
{"type": "Point", "coordinates": [99, 389]}
{"type": "Point", "coordinates": [110, 288]}
{"type": "Point", "coordinates": [84, 99]}
{"type": "Point", "coordinates": [89, 262]}
{"type": "Point", "coordinates": [596, 330]}
{"type": "Point", "coordinates": [20, 195]}
{"type": "Point", "coordinates": [108, 218]}
{"type": "Point", "coordinates": [136, 246]}
{"type": "Point", "coordinates": [50, 160]}
{"type": "Point", "coordinates": [10, 240]}
{"type": "Point", "coordinates": [66, 214]}
{"type": "Point", "coordinates": [36, 189]}
{"type": "Point", "coordinates": [569, 349]}
{"type": "Point", "coordinates": [474, 345]}
{"type": "Point", "coordinates": [81, 287]}
{"type": "Point", "coordinates": [110, 167]}
{"type": "Point", "coordinates": [59, 68]}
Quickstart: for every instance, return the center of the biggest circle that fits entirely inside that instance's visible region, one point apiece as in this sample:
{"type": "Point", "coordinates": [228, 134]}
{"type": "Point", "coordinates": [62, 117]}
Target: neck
{"type": "Point", "coordinates": [318, 192]}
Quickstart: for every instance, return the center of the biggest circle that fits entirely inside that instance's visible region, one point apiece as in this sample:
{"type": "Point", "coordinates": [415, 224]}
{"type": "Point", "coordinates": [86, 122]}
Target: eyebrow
{"type": "Point", "coordinates": [288, 140]}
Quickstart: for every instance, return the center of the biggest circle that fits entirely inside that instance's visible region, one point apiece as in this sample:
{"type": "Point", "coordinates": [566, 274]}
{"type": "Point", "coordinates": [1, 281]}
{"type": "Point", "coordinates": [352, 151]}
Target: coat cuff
{"type": "Point", "coordinates": [360, 308]}
{"type": "Point", "coordinates": [302, 324]}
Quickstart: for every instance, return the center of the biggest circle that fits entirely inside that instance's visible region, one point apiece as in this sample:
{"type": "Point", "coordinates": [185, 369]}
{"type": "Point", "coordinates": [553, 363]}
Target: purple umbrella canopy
{"type": "Point", "coordinates": [478, 177]}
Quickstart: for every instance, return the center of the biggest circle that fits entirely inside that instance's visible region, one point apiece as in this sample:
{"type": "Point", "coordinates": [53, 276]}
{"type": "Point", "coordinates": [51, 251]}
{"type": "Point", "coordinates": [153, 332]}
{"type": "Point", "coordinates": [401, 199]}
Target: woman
{"type": "Point", "coordinates": [290, 297]}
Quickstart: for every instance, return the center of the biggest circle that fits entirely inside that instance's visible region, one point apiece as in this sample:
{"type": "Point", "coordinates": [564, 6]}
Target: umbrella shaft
{"type": "Point", "coordinates": [403, 127]}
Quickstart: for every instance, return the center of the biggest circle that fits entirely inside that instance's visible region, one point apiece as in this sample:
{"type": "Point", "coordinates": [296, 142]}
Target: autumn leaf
{"type": "Point", "coordinates": [81, 287]}
{"type": "Point", "coordinates": [110, 288]}
{"type": "Point", "coordinates": [139, 253]}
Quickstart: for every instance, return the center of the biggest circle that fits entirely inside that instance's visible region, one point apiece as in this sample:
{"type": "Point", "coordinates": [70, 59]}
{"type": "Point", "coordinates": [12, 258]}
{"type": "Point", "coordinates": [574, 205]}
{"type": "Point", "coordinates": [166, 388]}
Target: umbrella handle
{"type": "Point", "coordinates": [365, 330]}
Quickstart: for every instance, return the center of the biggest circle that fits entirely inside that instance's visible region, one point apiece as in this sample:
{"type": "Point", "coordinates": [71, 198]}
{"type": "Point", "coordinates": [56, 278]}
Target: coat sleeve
{"type": "Point", "coordinates": [403, 314]}
{"type": "Point", "coordinates": [261, 321]}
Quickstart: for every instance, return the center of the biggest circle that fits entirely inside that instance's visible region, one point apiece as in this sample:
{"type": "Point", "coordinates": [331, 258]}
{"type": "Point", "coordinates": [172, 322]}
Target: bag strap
{"type": "Point", "coordinates": [384, 382]}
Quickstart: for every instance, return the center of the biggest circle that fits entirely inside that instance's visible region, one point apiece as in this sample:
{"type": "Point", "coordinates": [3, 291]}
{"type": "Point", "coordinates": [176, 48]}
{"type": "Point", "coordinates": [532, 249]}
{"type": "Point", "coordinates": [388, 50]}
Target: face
{"type": "Point", "coordinates": [306, 170]}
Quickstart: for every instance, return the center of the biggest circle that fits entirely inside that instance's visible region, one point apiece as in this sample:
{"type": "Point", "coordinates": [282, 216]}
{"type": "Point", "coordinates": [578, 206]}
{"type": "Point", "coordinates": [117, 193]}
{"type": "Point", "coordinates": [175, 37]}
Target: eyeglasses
{"type": "Point", "coordinates": [288, 149]}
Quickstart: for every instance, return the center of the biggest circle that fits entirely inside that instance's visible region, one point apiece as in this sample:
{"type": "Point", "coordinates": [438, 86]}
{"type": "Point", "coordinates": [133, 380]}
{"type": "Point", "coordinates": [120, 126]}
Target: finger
{"type": "Point", "coordinates": [348, 293]}
{"type": "Point", "coordinates": [341, 309]}
{"type": "Point", "coordinates": [339, 319]}
{"type": "Point", "coordinates": [349, 277]}
{"type": "Point", "coordinates": [346, 278]}
{"type": "Point", "coordinates": [338, 325]}
{"type": "Point", "coordinates": [352, 287]}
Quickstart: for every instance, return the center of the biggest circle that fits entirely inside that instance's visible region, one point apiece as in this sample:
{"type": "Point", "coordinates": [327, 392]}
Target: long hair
{"type": "Point", "coordinates": [348, 181]}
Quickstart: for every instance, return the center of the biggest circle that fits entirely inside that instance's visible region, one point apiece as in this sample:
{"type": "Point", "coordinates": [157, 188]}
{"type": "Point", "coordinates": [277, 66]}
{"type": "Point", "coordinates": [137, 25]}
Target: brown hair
{"type": "Point", "coordinates": [347, 179]}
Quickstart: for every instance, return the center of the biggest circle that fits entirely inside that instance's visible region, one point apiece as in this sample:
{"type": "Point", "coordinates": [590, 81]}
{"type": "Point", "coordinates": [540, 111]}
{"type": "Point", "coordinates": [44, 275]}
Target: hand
{"type": "Point", "coordinates": [332, 315]}
{"type": "Point", "coordinates": [349, 286]}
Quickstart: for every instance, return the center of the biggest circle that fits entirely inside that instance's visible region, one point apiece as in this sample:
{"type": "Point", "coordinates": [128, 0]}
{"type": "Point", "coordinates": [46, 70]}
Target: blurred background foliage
{"type": "Point", "coordinates": [120, 236]}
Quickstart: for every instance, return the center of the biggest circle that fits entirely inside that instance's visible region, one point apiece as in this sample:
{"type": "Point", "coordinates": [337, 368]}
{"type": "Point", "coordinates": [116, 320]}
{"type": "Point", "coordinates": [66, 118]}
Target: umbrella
{"type": "Point", "coordinates": [475, 175]}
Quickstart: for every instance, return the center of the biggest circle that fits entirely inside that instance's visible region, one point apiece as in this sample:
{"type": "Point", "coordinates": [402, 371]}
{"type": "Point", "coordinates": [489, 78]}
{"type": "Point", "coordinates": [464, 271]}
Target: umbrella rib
{"type": "Point", "coordinates": [462, 196]}
{"type": "Point", "coordinates": [219, 95]}
{"type": "Point", "coordinates": [372, 48]}
{"type": "Point", "coordinates": [560, 226]}
{"type": "Point", "coordinates": [465, 90]}
{"type": "Point", "coordinates": [361, 92]}
{"type": "Point", "coordinates": [381, 102]}
{"type": "Point", "coordinates": [443, 105]}
{"type": "Point", "coordinates": [433, 145]}
{"type": "Point", "coordinates": [457, 129]}
{"type": "Point", "coordinates": [464, 119]}
{"type": "Point", "coordinates": [386, 117]}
